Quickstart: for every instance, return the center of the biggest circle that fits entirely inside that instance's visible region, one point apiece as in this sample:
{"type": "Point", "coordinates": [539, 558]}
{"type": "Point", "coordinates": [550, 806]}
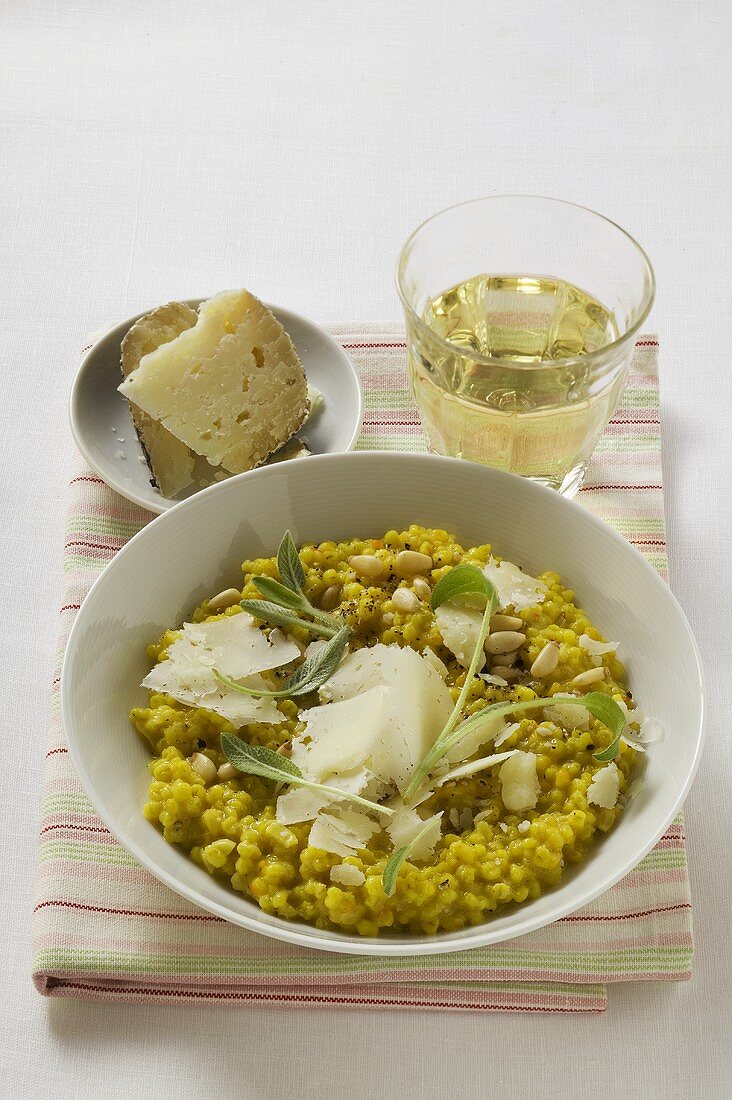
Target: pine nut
{"type": "Point", "coordinates": [547, 660]}
{"type": "Point", "coordinates": [224, 599]}
{"type": "Point", "coordinates": [410, 562]}
{"type": "Point", "coordinates": [203, 766]}
{"type": "Point", "coordinates": [368, 565]}
{"type": "Point", "coordinates": [405, 600]}
{"type": "Point", "coordinates": [330, 597]}
{"type": "Point", "coordinates": [510, 675]}
{"type": "Point", "coordinates": [285, 750]}
{"type": "Point", "coordinates": [506, 622]}
{"type": "Point", "coordinates": [504, 641]}
{"type": "Point", "coordinates": [592, 676]}
{"type": "Point", "coordinates": [423, 590]}
{"type": "Point", "coordinates": [505, 659]}
{"type": "Point", "coordinates": [227, 771]}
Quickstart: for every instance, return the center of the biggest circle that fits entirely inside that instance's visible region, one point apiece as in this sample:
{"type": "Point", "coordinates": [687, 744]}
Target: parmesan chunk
{"type": "Point", "coordinates": [459, 621]}
{"type": "Point", "coordinates": [605, 786]}
{"type": "Point", "coordinates": [238, 649]}
{"type": "Point", "coordinates": [514, 588]}
{"type": "Point", "coordinates": [171, 461]}
{"type": "Point", "coordinates": [519, 782]}
{"type": "Point", "coordinates": [406, 824]}
{"type": "Point", "coordinates": [231, 388]}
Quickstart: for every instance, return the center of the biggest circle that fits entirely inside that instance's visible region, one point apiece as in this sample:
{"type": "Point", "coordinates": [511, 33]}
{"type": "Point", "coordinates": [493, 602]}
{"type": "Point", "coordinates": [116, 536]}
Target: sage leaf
{"type": "Point", "coordinates": [393, 866]}
{"type": "Point", "coordinates": [607, 711]}
{"type": "Point", "coordinates": [289, 565]}
{"type": "Point", "coordinates": [277, 593]}
{"type": "Point", "coordinates": [261, 761]}
{"type": "Point", "coordinates": [276, 615]}
{"type": "Point", "coordinates": [309, 676]}
{"type": "Point", "coordinates": [463, 580]}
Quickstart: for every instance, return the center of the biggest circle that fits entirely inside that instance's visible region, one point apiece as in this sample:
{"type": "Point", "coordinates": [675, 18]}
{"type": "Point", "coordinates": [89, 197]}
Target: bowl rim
{"type": "Point", "coordinates": [119, 329]}
{"type": "Point", "coordinates": [299, 934]}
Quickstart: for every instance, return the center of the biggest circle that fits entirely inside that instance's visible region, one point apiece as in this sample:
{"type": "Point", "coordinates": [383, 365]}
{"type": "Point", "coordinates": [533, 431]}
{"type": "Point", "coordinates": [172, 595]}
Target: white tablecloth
{"type": "Point", "coordinates": [152, 149]}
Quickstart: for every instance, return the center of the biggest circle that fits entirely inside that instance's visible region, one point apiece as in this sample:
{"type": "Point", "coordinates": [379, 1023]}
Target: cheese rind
{"type": "Point", "coordinates": [171, 462]}
{"type": "Point", "coordinates": [231, 388]}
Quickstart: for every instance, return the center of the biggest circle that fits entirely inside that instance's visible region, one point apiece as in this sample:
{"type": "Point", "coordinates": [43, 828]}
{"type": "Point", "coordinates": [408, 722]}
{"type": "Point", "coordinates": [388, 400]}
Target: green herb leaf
{"type": "Point", "coordinates": [607, 711]}
{"type": "Point", "coordinates": [393, 866]}
{"type": "Point", "coordinates": [276, 615]}
{"type": "Point", "coordinates": [309, 676]}
{"type": "Point", "coordinates": [288, 562]}
{"type": "Point", "coordinates": [258, 760]}
{"type": "Point", "coordinates": [277, 593]}
{"type": "Point", "coordinates": [463, 580]}
{"type": "Point", "coordinates": [318, 668]}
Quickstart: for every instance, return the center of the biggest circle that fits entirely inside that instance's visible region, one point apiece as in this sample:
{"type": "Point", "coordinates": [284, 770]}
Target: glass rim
{"type": "Point", "coordinates": [488, 360]}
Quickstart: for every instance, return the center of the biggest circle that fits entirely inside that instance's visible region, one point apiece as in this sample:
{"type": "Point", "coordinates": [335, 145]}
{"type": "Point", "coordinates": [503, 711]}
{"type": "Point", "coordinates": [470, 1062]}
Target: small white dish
{"type": "Point", "coordinates": [197, 548]}
{"type": "Point", "coordinates": [105, 435]}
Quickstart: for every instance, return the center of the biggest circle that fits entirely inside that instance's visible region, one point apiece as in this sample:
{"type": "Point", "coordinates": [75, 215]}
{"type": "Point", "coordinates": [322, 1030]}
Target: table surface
{"type": "Point", "coordinates": [163, 150]}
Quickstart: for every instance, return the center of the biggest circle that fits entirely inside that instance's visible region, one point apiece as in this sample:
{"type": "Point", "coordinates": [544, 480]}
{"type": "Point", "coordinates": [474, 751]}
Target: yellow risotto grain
{"type": "Point", "coordinates": [229, 828]}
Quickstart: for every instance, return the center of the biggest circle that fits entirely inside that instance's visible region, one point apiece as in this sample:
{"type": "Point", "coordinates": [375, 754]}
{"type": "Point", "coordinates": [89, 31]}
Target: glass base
{"type": "Point", "coordinates": [568, 485]}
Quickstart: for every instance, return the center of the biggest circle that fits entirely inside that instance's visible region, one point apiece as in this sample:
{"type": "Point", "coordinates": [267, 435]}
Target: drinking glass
{"type": "Point", "coordinates": [537, 405]}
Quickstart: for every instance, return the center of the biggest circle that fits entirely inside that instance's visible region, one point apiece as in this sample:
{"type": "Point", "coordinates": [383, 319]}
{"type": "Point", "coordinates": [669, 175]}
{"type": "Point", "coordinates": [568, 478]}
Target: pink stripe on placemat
{"type": "Point", "coordinates": [105, 929]}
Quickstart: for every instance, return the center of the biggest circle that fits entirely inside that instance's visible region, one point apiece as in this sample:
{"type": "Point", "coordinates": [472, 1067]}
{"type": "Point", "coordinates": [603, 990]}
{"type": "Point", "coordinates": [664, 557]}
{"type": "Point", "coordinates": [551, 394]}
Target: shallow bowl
{"type": "Point", "coordinates": [197, 548]}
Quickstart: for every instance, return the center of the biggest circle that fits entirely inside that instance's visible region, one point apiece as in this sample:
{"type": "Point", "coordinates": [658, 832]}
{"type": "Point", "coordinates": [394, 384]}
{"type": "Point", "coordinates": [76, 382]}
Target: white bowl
{"type": "Point", "coordinates": [196, 549]}
{"type": "Point", "coordinates": [102, 426]}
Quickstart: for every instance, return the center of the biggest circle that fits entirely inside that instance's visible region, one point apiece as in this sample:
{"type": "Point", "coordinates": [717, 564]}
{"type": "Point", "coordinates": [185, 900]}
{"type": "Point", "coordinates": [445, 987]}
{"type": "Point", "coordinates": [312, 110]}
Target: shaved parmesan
{"type": "Point", "coordinates": [597, 649]}
{"type": "Point", "coordinates": [605, 786]}
{"type": "Point", "coordinates": [345, 874]}
{"type": "Point", "coordinates": [493, 727]}
{"type": "Point", "coordinates": [519, 782]}
{"type": "Point", "coordinates": [514, 587]}
{"type": "Point", "coordinates": [301, 804]}
{"type": "Point", "coordinates": [339, 737]}
{"type": "Point", "coordinates": [570, 716]}
{"type": "Point", "coordinates": [403, 721]}
{"type": "Point", "coordinates": [497, 680]}
{"type": "Point", "coordinates": [342, 832]}
{"type": "Point", "coordinates": [406, 824]}
{"type": "Point", "coordinates": [505, 733]}
{"type": "Point", "coordinates": [476, 766]}
{"type": "Point", "coordinates": [431, 658]}
{"type": "Point", "coordinates": [459, 621]}
{"type": "Point", "coordinates": [238, 649]}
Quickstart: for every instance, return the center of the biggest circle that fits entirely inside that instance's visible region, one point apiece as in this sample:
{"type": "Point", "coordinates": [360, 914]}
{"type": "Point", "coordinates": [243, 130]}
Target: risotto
{"type": "Point", "coordinates": [375, 836]}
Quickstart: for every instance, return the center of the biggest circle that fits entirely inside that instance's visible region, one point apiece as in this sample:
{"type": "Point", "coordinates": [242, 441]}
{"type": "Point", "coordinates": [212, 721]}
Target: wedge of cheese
{"type": "Point", "coordinates": [171, 462]}
{"type": "Point", "coordinates": [231, 388]}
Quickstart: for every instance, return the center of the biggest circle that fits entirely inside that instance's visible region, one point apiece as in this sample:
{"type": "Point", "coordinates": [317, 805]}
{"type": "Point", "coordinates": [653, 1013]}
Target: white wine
{"type": "Point", "coordinates": [525, 318]}
{"type": "Point", "coordinates": [537, 407]}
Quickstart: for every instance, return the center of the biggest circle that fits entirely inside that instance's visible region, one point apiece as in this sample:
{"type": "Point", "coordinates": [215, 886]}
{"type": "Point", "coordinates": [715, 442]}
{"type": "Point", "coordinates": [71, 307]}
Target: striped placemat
{"type": "Point", "coordinates": [106, 929]}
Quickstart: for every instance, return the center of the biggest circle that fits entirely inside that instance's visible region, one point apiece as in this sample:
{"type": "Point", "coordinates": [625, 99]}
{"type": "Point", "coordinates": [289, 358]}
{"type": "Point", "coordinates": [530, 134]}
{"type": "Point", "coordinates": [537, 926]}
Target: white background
{"type": "Point", "coordinates": [152, 150]}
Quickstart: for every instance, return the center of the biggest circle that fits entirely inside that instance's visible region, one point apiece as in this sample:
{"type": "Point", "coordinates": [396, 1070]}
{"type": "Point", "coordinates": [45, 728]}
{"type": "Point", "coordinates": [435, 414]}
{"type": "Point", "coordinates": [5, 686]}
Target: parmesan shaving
{"type": "Point", "coordinates": [345, 874]}
{"type": "Point", "coordinates": [605, 786]}
{"type": "Point", "coordinates": [514, 588]}
{"type": "Point", "coordinates": [519, 782]}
